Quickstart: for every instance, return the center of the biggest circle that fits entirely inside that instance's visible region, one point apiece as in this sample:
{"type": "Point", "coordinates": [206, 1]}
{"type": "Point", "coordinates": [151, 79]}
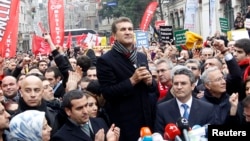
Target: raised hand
{"type": "Point", "coordinates": [100, 136]}
{"type": "Point", "coordinates": [233, 99]}
{"type": "Point", "coordinates": [113, 133]}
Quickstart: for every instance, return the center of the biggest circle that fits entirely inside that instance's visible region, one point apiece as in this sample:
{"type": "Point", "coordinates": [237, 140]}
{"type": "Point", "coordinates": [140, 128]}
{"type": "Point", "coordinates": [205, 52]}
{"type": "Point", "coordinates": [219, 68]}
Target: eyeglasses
{"type": "Point", "coordinates": [218, 79]}
{"type": "Point", "coordinates": [193, 68]}
{"type": "Point", "coordinates": [162, 70]}
{"type": "Point", "coordinates": [207, 54]}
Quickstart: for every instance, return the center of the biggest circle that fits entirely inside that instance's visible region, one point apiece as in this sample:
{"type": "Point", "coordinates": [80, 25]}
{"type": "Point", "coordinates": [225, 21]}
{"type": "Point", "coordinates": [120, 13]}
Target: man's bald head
{"type": "Point", "coordinates": [31, 79]}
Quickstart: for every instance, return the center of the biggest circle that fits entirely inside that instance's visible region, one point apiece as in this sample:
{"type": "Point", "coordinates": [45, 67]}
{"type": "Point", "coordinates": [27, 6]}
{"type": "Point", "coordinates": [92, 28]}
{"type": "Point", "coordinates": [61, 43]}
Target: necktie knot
{"type": "Point", "coordinates": [185, 114]}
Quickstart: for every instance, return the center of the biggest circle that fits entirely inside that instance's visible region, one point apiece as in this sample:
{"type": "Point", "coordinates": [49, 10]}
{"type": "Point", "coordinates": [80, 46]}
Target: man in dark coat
{"type": "Point", "coordinates": [126, 83]}
{"type": "Point", "coordinates": [79, 127]}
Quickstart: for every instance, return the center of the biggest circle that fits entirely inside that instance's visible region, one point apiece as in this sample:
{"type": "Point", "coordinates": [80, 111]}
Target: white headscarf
{"type": "Point", "coordinates": [27, 126]}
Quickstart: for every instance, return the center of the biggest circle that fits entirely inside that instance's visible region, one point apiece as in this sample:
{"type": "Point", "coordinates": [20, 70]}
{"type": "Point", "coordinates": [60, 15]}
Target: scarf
{"type": "Point", "coordinates": [130, 54]}
{"type": "Point", "coordinates": [162, 90]}
{"type": "Point", "coordinates": [27, 126]}
{"type": "Point", "coordinates": [245, 62]}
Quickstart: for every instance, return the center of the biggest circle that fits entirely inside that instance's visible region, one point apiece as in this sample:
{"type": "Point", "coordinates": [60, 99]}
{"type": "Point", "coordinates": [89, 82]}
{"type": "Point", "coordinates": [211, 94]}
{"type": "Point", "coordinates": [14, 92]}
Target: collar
{"type": "Point", "coordinates": [189, 103]}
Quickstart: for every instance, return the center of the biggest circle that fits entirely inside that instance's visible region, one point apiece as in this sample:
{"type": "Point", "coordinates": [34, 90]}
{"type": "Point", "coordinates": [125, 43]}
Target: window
{"type": "Point", "coordinates": [229, 13]}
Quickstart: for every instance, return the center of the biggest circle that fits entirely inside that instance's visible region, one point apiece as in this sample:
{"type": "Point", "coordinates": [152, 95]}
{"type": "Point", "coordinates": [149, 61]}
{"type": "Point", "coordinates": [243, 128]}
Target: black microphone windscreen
{"type": "Point", "coordinates": [182, 123]}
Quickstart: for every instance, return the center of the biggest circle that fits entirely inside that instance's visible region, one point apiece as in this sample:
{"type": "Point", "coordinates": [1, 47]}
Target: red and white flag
{"type": "Point", "coordinates": [40, 46]}
{"type": "Point", "coordinates": [8, 15]}
{"type": "Point", "coordinates": [148, 14]}
{"type": "Point", "coordinates": [56, 21]}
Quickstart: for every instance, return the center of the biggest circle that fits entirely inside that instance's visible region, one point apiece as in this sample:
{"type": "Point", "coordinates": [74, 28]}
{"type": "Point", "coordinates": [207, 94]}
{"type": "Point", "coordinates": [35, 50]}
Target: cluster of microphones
{"type": "Point", "coordinates": [181, 131]}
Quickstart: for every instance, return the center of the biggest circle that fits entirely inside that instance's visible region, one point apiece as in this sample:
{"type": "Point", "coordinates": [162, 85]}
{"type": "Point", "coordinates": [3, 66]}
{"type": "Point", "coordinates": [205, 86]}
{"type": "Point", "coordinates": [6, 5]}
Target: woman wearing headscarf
{"type": "Point", "coordinates": [30, 125]}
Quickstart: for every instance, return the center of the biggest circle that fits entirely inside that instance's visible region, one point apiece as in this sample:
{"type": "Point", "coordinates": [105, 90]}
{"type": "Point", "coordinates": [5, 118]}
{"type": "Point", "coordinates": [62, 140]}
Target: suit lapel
{"type": "Point", "coordinates": [77, 132]}
{"type": "Point", "coordinates": [194, 109]}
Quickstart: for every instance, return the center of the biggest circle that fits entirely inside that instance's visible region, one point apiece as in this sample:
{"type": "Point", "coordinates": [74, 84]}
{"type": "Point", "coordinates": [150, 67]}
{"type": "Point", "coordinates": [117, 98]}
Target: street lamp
{"type": "Point", "coordinates": [160, 4]}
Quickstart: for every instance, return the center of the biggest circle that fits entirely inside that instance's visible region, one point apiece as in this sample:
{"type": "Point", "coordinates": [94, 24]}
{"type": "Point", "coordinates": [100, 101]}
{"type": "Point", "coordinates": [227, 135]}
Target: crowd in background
{"type": "Point", "coordinates": [77, 95]}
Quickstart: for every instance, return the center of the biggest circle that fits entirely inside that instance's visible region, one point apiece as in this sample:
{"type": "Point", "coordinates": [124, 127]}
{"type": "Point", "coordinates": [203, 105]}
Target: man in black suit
{"type": "Point", "coordinates": [197, 112]}
{"type": "Point", "coordinates": [126, 83]}
{"type": "Point", "coordinates": [79, 127]}
{"type": "Point", "coordinates": [54, 76]}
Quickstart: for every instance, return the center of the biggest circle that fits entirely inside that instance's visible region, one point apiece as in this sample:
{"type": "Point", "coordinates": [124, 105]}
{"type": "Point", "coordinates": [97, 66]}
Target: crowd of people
{"type": "Point", "coordinates": [83, 97]}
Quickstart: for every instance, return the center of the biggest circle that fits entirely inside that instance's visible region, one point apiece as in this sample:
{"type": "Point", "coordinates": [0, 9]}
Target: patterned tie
{"type": "Point", "coordinates": [185, 114]}
{"type": "Point", "coordinates": [85, 128]}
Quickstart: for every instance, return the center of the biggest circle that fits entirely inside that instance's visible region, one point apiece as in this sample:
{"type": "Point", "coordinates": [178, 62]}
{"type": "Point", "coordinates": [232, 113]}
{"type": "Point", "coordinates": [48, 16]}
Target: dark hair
{"type": "Point", "coordinates": [187, 72]}
{"type": "Point", "coordinates": [94, 87]}
{"type": "Point", "coordinates": [84, 62]}
{"type": "Point", "coordinates": [246, 102]}
{"type": "Point", "coordinates": [56, 71]}
{"type": "Point", "coordinates": [243, 44]}
{"type": "Point", "coordinates": [71, 95]}
{"type": "Point", "coordinates": [119, 20]}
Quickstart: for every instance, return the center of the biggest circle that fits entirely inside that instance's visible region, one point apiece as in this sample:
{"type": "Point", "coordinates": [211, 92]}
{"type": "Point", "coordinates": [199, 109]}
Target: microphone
{"type": "Point", "coordinates": [145, 131]}
{"type": "Point", "coordinates": [183, 125]}
{"type": "Point", "coordinates": [171, 131]}
{"type": "Point", "coordinates": [200, 133]}
{"type": "Point", "coordinates": [157, 137]}
{"type": "Point", "coordinates": [147, 138]}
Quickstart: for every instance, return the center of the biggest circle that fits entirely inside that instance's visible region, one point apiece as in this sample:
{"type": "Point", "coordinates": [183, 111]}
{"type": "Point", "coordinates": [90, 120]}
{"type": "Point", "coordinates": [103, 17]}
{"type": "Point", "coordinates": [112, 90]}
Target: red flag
{"type": "Point", "coordinates": [111, 40]}
{"type": "Point", "coordinates": [79, 39]}
{"type": "Point", "coordinates": [39, 45]}
{"type": "Point", "coordinates": [69, 41]}
{"type": "Point", "coordinates": [148, 14]}
{"type": "Point", "coordinates": [9, 49]}
{"type": "Point", "coordinates": [7, 19]}
{"type": "Point", "coordinates": [40, 25]}
{"type": "Point", "coordinates": [56, 21]}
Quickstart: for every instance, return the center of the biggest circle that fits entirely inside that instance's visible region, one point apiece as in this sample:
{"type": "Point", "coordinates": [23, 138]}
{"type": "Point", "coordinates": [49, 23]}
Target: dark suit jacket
{"type": "Point", "coordinates": [129, 107]}
{"type": "Point", "coordinates": [60, 91]}
{"type": "Point", "coordinates": [71, 132]}
{"type": "Point", "coordinates": [201, 113]}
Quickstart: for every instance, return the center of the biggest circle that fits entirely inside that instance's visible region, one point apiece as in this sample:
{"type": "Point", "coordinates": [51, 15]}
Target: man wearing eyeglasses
{"type": "Point", "coordinates": [215, 93]}
{"type": "Point", "coordinates": [195, 66]}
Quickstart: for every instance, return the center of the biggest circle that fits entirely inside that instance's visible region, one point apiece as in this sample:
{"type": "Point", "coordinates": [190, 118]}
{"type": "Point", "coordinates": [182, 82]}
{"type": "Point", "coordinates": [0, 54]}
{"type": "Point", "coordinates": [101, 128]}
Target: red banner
{"type": "Point", "coordinates": [159, 23]}
{"type": "Point", "coordinates": [56, 21]}
{"type": "Point", "coordinates": [7, 19]}
{"type": "Point", "coordinates": [9, 48]}
{"type": "Point", "coordinates": [39, 45]}
{"type": "Point", "coordinates": [148, 14]}
{"type": "Point", "coordinates": [69, 41]}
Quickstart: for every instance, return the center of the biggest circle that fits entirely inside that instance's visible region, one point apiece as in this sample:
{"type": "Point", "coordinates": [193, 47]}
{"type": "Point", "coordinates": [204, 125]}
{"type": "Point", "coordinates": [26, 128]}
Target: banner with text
{"type": "Point", "coordinates": [56, 21]}
{"type": "Point", "coordinates": [180, 38]}
{"type": "Point", "coordinates": [166, 33]}
{"type": "Point", "coordinates": [142, 39]}
{"type": "Point", "coordinates": [8, 14]}
{"type": "Point", "coordinates": [224, 26]}
{"type": "Point", "coordinates": [190, 14]}
{"type": "Point", "coordinates": [9, 49]}
{"type": "Point", "coordinates": [148, 14]}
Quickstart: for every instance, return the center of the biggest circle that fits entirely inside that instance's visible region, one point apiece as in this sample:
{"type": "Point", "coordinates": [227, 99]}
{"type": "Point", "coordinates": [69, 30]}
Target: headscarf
{"type": "Point", "coordinates": [27, 126]}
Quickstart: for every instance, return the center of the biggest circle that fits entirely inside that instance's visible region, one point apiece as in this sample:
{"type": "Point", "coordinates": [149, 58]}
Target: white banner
{"type": "Point", "coordinates": [212, 17]}
{"type": "Point", "coordinates": [247, 23]}
{"type": "Point", "coordinates": [190, 14]}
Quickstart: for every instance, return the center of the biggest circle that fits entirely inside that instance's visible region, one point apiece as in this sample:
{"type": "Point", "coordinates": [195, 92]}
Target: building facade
{"type": "Point", "coordinates": [174, 14]}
